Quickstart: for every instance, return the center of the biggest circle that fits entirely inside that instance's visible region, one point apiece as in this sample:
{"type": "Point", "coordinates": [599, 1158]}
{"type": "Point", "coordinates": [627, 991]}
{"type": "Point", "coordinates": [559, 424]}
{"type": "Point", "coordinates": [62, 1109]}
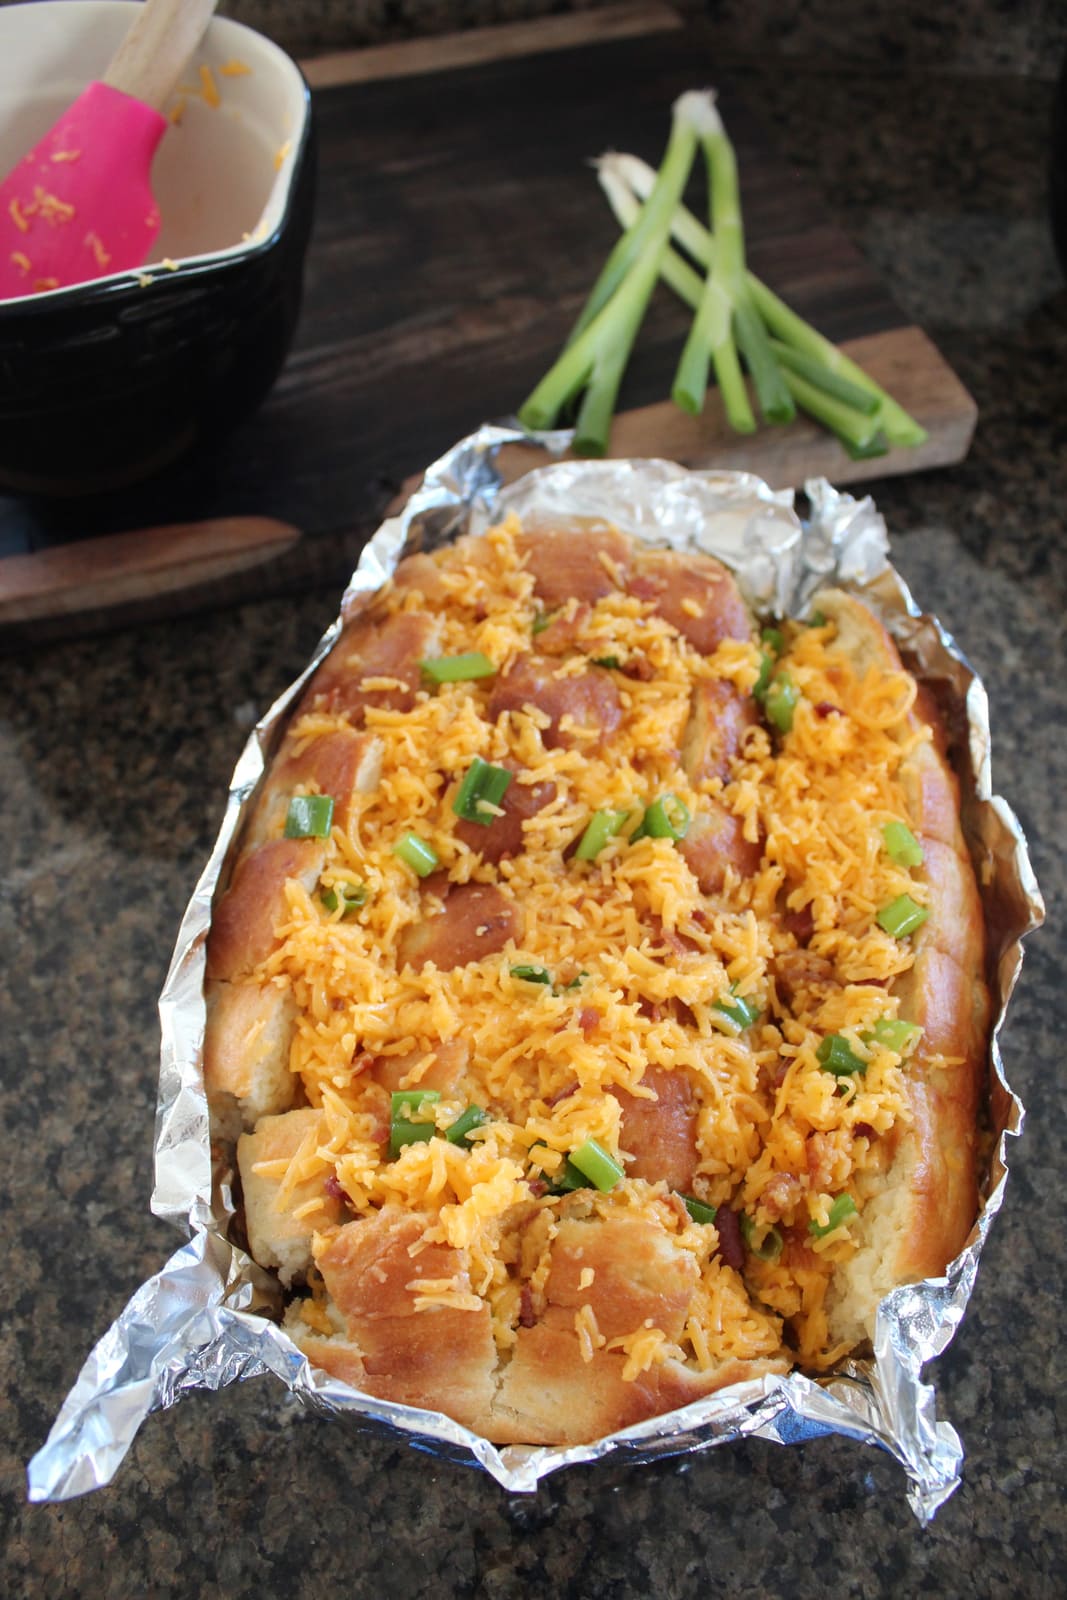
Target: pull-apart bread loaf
{"type": "Point", "coordinates": [597, 996]}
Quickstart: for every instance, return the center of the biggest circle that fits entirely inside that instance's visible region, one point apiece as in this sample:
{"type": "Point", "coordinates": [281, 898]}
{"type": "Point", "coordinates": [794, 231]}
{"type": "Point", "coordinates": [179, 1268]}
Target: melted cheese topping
{"type": "Point", "coordinates": [779, 1137]}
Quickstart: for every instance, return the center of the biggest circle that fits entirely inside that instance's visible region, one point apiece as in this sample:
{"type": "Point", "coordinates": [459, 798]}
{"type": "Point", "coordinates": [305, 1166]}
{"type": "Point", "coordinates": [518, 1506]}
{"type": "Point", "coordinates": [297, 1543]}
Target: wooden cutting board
{"type": "Point", "coordinates": [458, 229]}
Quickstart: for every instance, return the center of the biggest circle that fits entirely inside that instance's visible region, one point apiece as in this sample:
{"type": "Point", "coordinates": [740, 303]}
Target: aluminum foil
{"type": "Point", "coordinates": [203, 1320]}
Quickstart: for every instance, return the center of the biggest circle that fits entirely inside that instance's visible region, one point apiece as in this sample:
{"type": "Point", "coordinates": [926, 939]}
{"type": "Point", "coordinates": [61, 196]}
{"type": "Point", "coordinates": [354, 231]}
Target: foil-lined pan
{"type": "Point", "coordinates": [204, 1320]}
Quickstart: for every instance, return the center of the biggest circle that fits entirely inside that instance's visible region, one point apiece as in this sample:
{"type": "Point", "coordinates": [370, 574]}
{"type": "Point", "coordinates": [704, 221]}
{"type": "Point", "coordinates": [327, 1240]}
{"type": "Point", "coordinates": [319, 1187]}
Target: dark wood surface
{"type": "Point", "coordinates": [458, 229]}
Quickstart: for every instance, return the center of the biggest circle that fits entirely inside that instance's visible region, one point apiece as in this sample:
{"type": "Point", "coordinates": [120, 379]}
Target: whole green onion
{"type": "Point", "coordinates": [593, 1161]}
{"type": "Point", "coordinates": [697, 1208]}
{"type": "Point", "coordinates": [310, 816]}
{"type": "Point", "coordinates": [836, 1055]}
{"type": "Point", "coordinates": [482, 782]}
{"type": "Point", "coordinates": [458, 669]}
{"type": "Point", "coordinates": [417, 854]}
{"type": "Point", "coordinates": [901, 917]}
{"type": "Point", "coordinates": [843, 1208]}
{"type": "Point", "coordinates": [901, 845]}
{"type": "Point", "coordinates": [602, 826]}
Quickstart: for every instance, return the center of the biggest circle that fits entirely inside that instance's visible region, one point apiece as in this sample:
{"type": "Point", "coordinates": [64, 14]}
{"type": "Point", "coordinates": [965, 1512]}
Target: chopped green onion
{"type": "Point", "coordinates": [766, 669]}
{"type": "Point", "coordinates": [458, 669]}
{"type": "Point", "coordinates": [741, 1012]}
{"type": "Point", "coordinates": [780, 701]}
{"type": "Point", "coordinates": [772, 638]}
{"type": "Point", "coordinates": [532, 974]}
{"type": "Point", "coordinates": [417, 854]}
{"type": "Point", "coordinates": [843, 1208]}
{"type": "Point", "coordinates": [611, 662]}
{"type": "Point", "coordinates": [602, 826]}
{"type": "Point", "coordinates": [836, 1055]}
{"type": "Point", "coordinates": [892, 1032]}
{"type": "Point", "coordinates": [765, 1244]}
{"type": "Point", "coordinates": [593, 1161]}
{"type": "Point", "coordinates": [901, 845]}
{"type": "Point", "coordinates": [352, 897]}
{"type": "Point", "coordinates": [402, 1132]}
{"type": "Point", "coordinates": [310, 816]}
{"type": "Point", "coordinates": [482, 782]}
{"type": "Point", "coordinates": [697, 1208]}
{"type": "Point", "coordinates": [403, 1100]}
{"type": "Point", "coordinates": [666, 818]}
{"type": "Point", "coordinates": [540, 622]}
{"type": "Point", "coordinates": [816, 620]}
{"type": "Point", "coordinates": [410, 1129]}
{"type": "Point", "coordinates": [466, 1122]}
{"type": "Point", "coordinates": [569, 1178]}
{"type": "Point", "coordinates": [901, 917]}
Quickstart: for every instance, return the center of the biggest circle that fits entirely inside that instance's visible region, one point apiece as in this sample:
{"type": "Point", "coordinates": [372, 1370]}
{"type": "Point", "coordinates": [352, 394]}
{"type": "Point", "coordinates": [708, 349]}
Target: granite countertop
{"type": "Point", "coordinates": [114, 753]}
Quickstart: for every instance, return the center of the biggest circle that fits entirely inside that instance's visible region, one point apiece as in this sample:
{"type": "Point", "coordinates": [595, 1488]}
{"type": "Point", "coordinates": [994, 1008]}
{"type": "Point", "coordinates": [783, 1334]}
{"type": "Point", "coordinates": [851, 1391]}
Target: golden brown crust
{"type": "Point", "coordinates": [932, 1179]}
{"type": "Point", "coordinates": [245, 921]}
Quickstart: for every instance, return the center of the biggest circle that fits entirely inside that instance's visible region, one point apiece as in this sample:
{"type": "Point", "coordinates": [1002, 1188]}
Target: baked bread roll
{"type": "Point", "coordinates": [599, 989]}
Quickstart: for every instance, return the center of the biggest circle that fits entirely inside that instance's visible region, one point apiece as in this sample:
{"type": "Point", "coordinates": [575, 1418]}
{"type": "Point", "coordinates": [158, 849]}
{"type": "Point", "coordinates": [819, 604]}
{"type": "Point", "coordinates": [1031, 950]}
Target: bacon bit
{"type": "Point", "coordinates": [65, 155]}
{"type": "Point", "coordinates": [826, 708]}
{"type": "Point", "coordinates": [235, 69]}
{"type": "Point", "coordinates": [820, 1160]}
{"type": "Point", "coordinates": [801, 924]}
{"type": "Point", "coordinates": [638, 667]}
{"type": "Point", "coordinates": [281, 153]}
{"type": "Point", "coordinates": [863, 1130]}
{"type": "Point", "coordinates": [537, 1187]}
{"type": "Point", "coordinates": [101, 256]}
{"type": "Point", "coordinates": [17, 216]}
{"type": "Point", "coordinates": [562, 1094]}
{"type": "Point", "coordinates": [208, 87]}
{"type": "Point", "coordinates": [780, 1194]}
{"type": "Point", "coordinates": [731, 1247]}
{"type": "Point", "coordinates": [480, 612]}
{"type": "Point", "coordinates": [651, 1009]}
{"type": "Point", "coordinates": [527, 1314]}
{"type": "Point", "coordinates": [42, 285]}
{"type": "Point", "coordinates": [873, 983]}
{"type": "Point", "coordinates": [335, 1191]}
{"type": "Point", "coordinates": [589, 1019]}
{"type": "Point", "coordinates": [52, 208]}
{"type": "Point", "coordinates": [361, 1063]}
{"type": "Point", "coordinates": [22, 262]}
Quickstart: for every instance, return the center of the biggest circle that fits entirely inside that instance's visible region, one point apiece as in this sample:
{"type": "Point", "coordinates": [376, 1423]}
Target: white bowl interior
{"type": "Point", "coordinates": [222, 172]}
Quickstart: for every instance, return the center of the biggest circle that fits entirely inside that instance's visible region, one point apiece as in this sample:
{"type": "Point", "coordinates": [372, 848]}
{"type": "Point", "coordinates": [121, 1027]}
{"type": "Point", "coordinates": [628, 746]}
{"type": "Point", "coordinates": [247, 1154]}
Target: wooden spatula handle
{"type": "Point", "coordinates": [164, 35]}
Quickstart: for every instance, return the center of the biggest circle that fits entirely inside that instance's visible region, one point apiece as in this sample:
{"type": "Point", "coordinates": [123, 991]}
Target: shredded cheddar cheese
{"type": "Point", "coordinates": [642, 969]}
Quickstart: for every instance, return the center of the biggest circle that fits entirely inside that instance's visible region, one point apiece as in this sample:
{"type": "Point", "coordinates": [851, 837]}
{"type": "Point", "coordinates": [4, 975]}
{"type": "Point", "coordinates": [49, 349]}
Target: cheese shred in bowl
{"type": "Point", "coordinates": [609, 1089]}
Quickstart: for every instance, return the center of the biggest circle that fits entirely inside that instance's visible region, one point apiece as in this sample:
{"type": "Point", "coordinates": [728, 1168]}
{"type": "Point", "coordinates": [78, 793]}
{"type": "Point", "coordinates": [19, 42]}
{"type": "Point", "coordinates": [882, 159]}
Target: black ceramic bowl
{"type": "Point", "coordinates": [104, 383]}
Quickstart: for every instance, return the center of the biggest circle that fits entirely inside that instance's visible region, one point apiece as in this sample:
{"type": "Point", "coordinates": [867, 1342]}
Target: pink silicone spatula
{"type": "Point", "coordinates": [80, 204]}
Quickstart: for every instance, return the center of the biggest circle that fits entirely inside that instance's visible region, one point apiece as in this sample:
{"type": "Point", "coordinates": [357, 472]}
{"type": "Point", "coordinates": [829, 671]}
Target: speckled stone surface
{"type": "Point", "coordinates": [114, 756]}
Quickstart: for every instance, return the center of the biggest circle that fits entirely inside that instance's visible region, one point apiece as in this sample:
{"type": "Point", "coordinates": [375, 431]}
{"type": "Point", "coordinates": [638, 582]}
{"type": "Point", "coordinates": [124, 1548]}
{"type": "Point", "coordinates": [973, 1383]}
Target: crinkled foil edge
{"type": "Point", "coordinates": [199, 1322]}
